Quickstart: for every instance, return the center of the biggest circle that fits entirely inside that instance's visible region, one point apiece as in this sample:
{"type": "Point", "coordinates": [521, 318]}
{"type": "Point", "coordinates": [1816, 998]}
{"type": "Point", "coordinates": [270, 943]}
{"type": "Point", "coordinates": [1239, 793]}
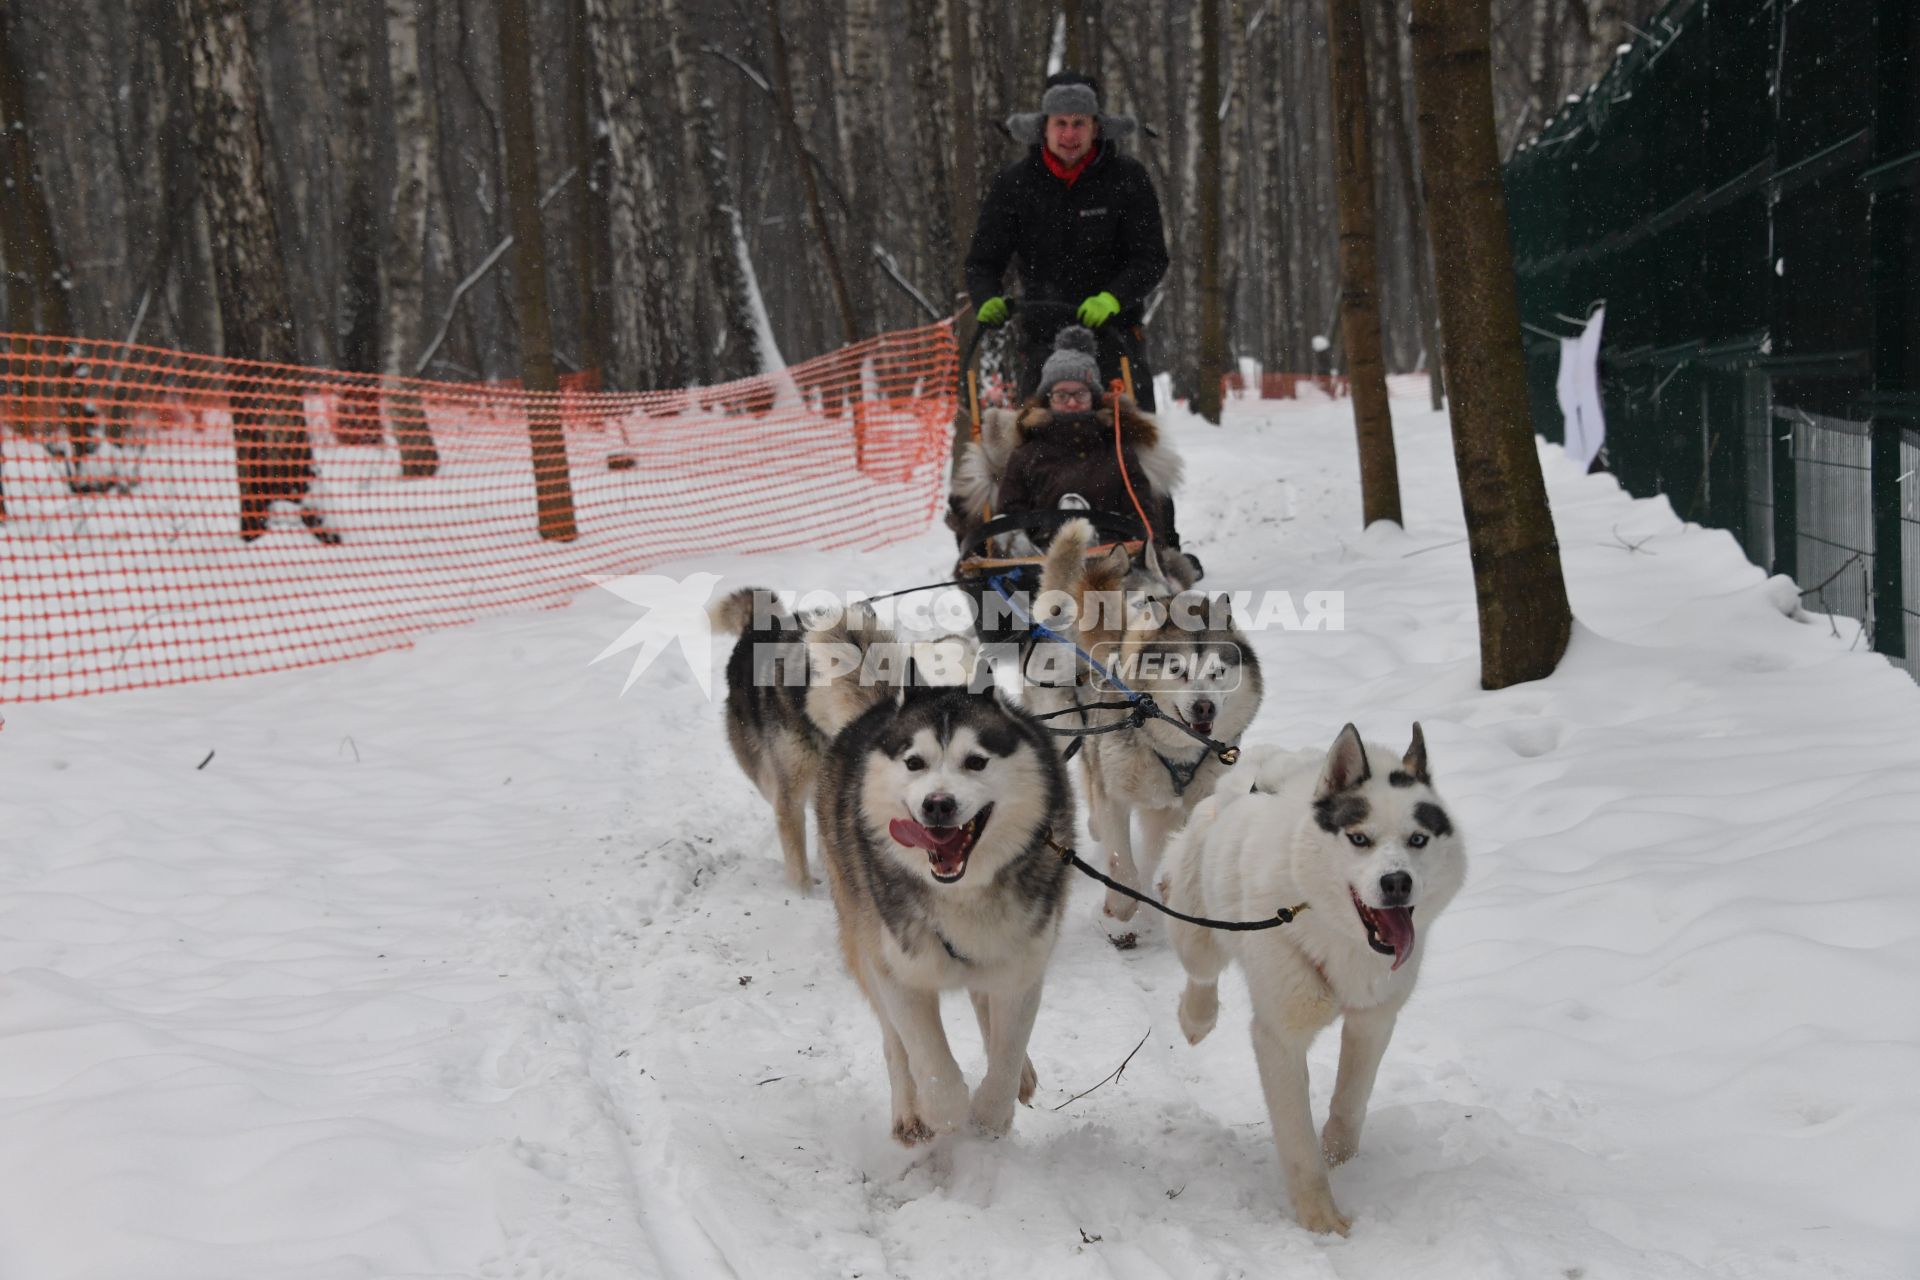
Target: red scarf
{"type": "Point", "coordinates": [1068, 174]}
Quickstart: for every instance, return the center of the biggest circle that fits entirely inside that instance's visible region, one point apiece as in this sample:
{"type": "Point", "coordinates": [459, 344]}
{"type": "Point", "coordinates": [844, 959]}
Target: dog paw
{"type": "Point", "coordinates": [943, 1103]}
{"type": "Point", "coordinates": [1029, 1081]}
{"type": "Point", "coordinates": [1339, 1141]}
{"type": "Point", "coordinates": [1319, 1215]}
{"type": "Point", "coordinates": [911, 1131]}
{"type": "Point", "coordinates": [991, 1116]}
{"type": "Point", "coordinates": [1199, 1010]}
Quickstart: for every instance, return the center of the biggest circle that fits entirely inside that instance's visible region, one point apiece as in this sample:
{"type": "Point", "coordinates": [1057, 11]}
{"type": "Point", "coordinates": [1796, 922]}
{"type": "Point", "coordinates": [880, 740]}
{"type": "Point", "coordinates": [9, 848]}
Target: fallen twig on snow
{"type": "Point", "coordinates": [1111, 1075]}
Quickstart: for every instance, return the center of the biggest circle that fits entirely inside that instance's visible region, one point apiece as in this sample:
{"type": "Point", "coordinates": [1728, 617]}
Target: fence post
{"type": "Point", "coordinates": [1889, 616]}
{"type": "Point", "coordinates": [1786, 520]}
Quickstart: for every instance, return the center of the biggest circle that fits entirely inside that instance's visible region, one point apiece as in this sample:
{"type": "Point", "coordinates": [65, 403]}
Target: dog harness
{"type": "Point", "coordinates": [1181, 775]}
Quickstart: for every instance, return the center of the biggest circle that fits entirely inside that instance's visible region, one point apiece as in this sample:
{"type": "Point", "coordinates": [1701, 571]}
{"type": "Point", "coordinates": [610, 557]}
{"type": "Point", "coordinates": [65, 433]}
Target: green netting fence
{"type": "Point", "coordinates": [1742, 189]}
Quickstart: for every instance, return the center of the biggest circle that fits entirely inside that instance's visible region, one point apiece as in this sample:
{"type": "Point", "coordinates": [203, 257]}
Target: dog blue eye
{"type": "Point", "coordinates": [1360, 839]}
{"type": "Point", "coordinates": [914, 764]}
{"type": "Point", "coordinates": [975, 764]}
{"type": "Point", "coordinates": [1417, 840]}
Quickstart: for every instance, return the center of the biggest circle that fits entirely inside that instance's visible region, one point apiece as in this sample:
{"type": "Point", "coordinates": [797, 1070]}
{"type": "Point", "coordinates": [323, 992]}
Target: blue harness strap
{"type": "Point", "coordinates": [1144, 705]}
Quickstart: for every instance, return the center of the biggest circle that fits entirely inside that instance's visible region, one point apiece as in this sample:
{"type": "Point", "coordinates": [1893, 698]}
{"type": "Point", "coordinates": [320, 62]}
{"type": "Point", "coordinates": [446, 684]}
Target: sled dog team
{"type": "Point", "coordinates": [944, 810]}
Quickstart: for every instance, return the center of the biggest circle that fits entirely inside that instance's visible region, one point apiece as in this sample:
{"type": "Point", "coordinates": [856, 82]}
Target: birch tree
{"type": "Point", "coordinates": [272, 454]}
{"type": "Point", "coordinates": [809, 180]}
{"type": "Point", "coordinates": [38, 290]}
{"type": "Point", "coordinates": [359, 282]}
{"type": "Point", "coordinates": [648, 344]}
{"type": "Point", "coordinates": [403, 275]}
{"type": "Point", "coordinates": [593, 233]}
{"type": "Point", "coordinates": [857, 106]}
{"type": "Point", "coordinates": [729, 268]}
{"type": "Point", "coordinates": [937, 259]}
{"type": "Point", "coordinates": [403, 264]}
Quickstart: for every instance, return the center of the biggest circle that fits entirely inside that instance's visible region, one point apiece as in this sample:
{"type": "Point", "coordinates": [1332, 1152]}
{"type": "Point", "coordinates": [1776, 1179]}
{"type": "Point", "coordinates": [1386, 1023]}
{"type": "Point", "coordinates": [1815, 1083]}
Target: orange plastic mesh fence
{"type": "Point", "coordinates": [167, 517]}
{"type": "Point", "coordinates": [1283, 386]}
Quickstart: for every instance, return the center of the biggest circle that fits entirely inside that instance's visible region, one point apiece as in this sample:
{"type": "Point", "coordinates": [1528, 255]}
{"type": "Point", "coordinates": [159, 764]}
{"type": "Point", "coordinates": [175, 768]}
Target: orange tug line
{"type": "Point", "coordinates": [1113, 393]}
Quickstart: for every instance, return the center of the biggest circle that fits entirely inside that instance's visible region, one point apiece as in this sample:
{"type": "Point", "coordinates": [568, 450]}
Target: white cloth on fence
{"type": "Point", "coordinates": [1578, 390]}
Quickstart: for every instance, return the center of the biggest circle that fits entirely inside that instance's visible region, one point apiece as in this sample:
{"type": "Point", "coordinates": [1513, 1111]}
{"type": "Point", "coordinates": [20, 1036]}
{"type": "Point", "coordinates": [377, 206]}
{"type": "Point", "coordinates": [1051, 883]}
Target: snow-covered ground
{"type": "Point", "coordinates": [454, 962]}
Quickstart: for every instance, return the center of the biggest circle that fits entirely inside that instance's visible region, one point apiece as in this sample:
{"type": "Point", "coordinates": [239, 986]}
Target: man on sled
{"type": "Point", "coordinates": [1081, 219]}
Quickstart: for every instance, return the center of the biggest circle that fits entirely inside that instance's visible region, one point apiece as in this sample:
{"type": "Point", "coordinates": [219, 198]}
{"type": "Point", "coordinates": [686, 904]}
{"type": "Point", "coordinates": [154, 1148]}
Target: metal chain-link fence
{"type": "Point", "coordinates": [1742, 190]}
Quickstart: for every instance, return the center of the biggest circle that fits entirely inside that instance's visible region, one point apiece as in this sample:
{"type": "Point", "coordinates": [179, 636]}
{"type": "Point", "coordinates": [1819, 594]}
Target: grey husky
{"type": "Point", "coordinates": [935, 813]}
{"type": "Point", "coordinates": [790, 688]}
{"type": "Point", "coordinates": [1360, 836]}
{"type": "Point", "coordinates": [1182, 647]}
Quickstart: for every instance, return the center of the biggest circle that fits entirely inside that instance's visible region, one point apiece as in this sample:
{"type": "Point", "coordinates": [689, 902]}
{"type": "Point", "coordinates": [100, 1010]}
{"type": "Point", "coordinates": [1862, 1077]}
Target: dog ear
{"type": "Point", "coordinates": [1346, 764]}
{"type": "Point", "coordinates": [1182, 569]}
{"type": "Point", "coordinates": [1151, 559]}
{"type": "Point", "coordinates": [1415, 761]}
{"type": "Point", "coordinates": [914, 685]}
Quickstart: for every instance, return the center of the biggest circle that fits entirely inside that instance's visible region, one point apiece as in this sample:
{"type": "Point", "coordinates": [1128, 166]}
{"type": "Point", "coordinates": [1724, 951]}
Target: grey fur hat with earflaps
{"type": "Point", "coordinates": [1074, 359]}
{"type": "Point", "coordinates": [1069, 94]}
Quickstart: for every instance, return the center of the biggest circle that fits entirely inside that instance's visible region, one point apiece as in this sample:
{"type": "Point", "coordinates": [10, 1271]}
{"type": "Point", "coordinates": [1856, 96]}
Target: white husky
{"type": "Point", "coordinates": [1359, 836]}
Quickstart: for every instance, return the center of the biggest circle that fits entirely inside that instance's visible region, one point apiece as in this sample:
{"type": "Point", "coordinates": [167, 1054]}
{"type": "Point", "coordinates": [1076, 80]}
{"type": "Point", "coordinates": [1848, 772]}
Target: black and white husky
{"type": "Point", "coordinates": [790, 688]}
{"type": "Point", "coordinates": [1360, 836]}
{"type": "Point", "coordinates": [935, 811]}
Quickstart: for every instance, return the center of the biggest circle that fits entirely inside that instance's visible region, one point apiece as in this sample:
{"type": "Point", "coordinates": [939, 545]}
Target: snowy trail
{"type": "Point", "coordinates": [454, 962]}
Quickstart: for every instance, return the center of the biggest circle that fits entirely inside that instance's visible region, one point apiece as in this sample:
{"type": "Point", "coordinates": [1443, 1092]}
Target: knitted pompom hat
{"type": "Point", "coordinates": [1073, 360]}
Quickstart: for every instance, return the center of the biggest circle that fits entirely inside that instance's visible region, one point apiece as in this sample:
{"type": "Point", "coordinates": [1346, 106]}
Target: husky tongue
{"type": "Point", "coordinates": [1395, 926]}
{"type": "Point", "coordinates": [946, 846]}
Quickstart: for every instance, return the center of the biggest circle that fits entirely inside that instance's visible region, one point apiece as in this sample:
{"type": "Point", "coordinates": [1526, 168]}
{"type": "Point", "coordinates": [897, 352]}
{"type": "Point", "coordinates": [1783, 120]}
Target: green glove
{"type": "Point", "coordinates": [1099, 309]}
{"type": "Point", "coordinates": [992, 313]}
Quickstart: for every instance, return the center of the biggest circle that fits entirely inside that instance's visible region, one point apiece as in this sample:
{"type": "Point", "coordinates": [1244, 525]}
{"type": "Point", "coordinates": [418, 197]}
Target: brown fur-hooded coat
{"type": "Point", "coordinates": [1030, 458]}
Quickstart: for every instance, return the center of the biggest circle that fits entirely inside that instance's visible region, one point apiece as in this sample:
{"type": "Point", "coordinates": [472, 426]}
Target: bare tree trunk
{"type": "Point", "coordinates": [182, 271]}
{"type": "Point", "coordinates": [273, 456]}
{"type": "Point", "coordinates": [552, 486]}
{"type": "Point", "coordinates": [1180, 326]}
{"type": "Point", "coordinates": [358, 285]}
{"type": "Point", "coordinates": [649, 346]}
{"type": "Point", "coordinates": [287, 37]}
{"type": "Point", "coordinates": [967, 174]}
{"type": "Point", "coordinates": [360, 230]}
{"type": "Point", "coordinates": [1235, 153]}
{"type": "Point", "coordinates": [1415, 202]}
{"type": "Point", "coordinates": [407, 221]}
{"type": "Point", "coordinates": [592, 219]}
{"type": "Point", "coordinates": [1276, 355]}
{"type": "Point", "coordinates": [727, 272]}
{"type": "Point", "coordinates": [857, 104]}
{"type": "Point", "coordinates": [933, 132]}
{"type": "Point", "coordinates": [1082, 50]}
{"type": "Point", "coordinates": [33, 256]}
{"type": "Point", "coordinates": [1359, 264]}
{"type": "Point", "coordinates": [404, 274]}
{"type": "Point", "coordinates": [1524, 618]}
{"type": "Point", "coordinates": [790, 125]}
{"type": "Point", "coordinates": [1213, 320]}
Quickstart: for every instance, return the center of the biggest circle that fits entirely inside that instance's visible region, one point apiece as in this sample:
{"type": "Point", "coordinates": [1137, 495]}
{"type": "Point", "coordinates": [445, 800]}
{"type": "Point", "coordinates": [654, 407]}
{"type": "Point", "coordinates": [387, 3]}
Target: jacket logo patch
{"type": "Point", "coordinates": [1093, 213]}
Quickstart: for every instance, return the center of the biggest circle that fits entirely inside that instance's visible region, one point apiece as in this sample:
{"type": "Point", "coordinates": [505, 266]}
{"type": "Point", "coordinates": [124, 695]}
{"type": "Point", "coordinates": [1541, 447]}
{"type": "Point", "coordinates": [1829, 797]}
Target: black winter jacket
{"type": "Point", "coordinates": [1102, 234]}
